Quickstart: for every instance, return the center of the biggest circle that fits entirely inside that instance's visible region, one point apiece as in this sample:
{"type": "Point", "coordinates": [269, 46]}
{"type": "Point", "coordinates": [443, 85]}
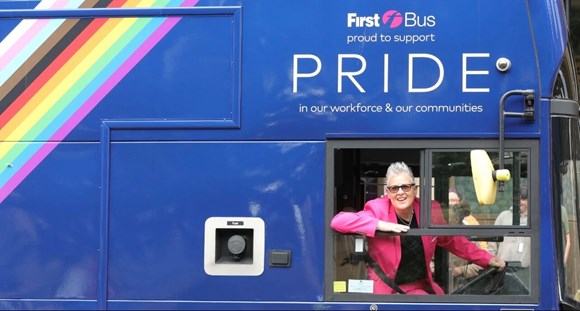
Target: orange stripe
{"type": "Point", "coordinates": [23, 105]}
{"type": "Point", "coordinates": [58, 62]}
{"type": "Point", "coordinates": [84, 47]}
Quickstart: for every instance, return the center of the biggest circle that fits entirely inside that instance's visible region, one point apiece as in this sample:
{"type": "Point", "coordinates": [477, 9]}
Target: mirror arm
{"type": "Point", "coordinates": [528, 115]}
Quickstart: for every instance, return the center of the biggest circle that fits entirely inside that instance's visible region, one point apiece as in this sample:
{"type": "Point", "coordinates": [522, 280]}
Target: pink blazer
{"type": "Point", "coordinates": [386, 250]}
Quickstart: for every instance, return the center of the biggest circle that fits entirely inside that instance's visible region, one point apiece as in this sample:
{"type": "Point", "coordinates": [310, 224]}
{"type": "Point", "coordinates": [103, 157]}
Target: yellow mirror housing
{"type": "Point", "coordinates": [485, 177]}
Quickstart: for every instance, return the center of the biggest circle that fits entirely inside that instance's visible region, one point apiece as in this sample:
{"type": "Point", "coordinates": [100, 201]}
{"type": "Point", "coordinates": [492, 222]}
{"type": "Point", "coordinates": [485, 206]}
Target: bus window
{"type": "Point", "coordinates": [566, 205]}
{"type": "Point", "coordinates": [465, 277]}
{"type": "Point", "coordinates": [453, 187]}
{"type": "Point", "coordinates": [444, 190]}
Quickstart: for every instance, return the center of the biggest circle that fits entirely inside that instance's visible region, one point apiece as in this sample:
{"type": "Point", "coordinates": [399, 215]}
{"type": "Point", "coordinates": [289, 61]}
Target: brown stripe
{"type": "Point", "coordinates": [43, 56]}
{"type": "Point", "coordinates": [24, 75]}
{"type": "Point", "coordinates": [95, 4]}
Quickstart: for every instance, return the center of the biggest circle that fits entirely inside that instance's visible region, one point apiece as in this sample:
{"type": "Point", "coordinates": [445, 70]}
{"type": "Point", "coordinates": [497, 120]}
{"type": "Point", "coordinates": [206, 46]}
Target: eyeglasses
{"type": "Point", "coordinates": [406, 188]}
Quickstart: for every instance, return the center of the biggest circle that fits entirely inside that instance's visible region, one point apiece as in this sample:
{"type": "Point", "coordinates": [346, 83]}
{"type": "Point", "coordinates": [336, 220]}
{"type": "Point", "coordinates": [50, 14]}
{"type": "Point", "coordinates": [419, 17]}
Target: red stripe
{"type": "Point", "coordinates": [27, 94]}
{"type": "Point", "coordinates": [117, 3]}
{"type": "Point", "coordinates": [50, 71]}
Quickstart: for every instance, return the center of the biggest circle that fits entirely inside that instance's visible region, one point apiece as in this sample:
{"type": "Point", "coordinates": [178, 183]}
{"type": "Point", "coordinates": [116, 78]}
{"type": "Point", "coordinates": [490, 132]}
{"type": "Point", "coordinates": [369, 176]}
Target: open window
{"type": "Point", "coordinates": [356, 172]}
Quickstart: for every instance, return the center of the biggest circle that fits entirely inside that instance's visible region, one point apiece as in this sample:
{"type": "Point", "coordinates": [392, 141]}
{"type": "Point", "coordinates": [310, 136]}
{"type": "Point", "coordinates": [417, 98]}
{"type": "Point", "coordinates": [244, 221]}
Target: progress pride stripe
{"type": "Point", "coordinates": [51, 118]}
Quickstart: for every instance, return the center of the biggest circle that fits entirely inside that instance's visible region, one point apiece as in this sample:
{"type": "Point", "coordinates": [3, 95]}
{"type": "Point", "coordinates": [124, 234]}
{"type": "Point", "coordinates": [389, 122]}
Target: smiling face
{"type": "Point", "coordinates": [401, 200]}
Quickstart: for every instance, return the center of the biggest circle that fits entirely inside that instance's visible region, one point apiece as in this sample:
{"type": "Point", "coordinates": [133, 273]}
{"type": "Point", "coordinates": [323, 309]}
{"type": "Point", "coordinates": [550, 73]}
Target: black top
{"type": "Point", "coordinates": [412, 266]}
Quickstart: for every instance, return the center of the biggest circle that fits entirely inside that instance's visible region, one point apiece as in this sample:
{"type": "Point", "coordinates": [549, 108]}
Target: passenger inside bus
{"type": "Point", "coordinates": [515, 249]}
{"type": "Point", "coordinates": [403, 262]}
{"type": "Point", "coordinates": [566, 234]}
{"type": "Point", "coordinates": [462, 211]}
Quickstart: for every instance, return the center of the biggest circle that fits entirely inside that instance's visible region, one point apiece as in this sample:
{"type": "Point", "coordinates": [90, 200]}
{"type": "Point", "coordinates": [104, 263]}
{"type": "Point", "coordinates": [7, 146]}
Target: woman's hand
{"type": "Point", "coordinates": [391, 227]}
{"type": "Point", "coordinates": [497, 262]}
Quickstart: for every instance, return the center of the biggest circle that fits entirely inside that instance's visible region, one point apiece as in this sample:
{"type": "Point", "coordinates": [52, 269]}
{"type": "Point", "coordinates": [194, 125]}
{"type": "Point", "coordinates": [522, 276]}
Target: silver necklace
{"type": "Point", "coordinates": [406, 222]}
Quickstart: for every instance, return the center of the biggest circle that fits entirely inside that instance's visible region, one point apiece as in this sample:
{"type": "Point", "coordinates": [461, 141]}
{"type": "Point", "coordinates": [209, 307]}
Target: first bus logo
{"type": "Point", "coordinates": [390, 18]}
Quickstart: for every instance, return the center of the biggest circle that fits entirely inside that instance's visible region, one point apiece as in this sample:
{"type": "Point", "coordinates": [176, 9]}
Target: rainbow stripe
{"type": "Point", "coordinates": [55, 71]}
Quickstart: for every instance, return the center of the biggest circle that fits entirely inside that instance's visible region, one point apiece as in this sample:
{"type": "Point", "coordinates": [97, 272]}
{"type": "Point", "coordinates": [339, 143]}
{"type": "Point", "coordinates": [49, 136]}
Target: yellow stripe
{"type": "Point", "coordinates": [66, 77]}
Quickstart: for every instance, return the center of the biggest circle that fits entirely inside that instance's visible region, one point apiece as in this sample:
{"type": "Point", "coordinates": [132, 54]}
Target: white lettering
{"type": "Point", "coordinates": [296, 74]}
{"type": "Point", "coordinates": [465, 72]}
{"type": "Point", "coordinates": [350, 19]}
{"type": "Point", "coordinates": [353, 20]}
{"type": "Point", "coordinates": [434, 86]}
{"type": "Point", "coordinates": [353, 67]}
{"type": "Point", "coordinates": [413, 20]}
{"type": "Point", "coordinates": [350, 75]}
{"type": "Point", "coordinates": [386, 73]}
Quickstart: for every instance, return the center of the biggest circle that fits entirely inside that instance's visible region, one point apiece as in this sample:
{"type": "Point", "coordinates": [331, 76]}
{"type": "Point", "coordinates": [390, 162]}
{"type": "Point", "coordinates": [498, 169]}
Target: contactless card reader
{"type": "Point", "coordinates": [234, 246]}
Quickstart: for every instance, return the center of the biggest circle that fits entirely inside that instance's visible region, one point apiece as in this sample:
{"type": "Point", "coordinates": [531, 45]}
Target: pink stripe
{"type": "Point", "coordinates": [26, 37]}
{"type": "Point", "coordinates": [86, 108]}
{"type": "Point", "coordinates": [19, 45]}
{"type": "Point", "coordinates": [190, 3]}
{"type": "Point", "coordinates": [46, 148]}
{"type": "Point", "coordinates": [55, 4]}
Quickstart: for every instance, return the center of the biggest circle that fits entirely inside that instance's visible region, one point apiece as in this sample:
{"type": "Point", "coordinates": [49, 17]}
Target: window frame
{"type": "Point", "coordinates": [425, 201]}
{"type": "Point", "coordinates": [572, 125]}
{"type": "Point", "coordinates": [426, 147]}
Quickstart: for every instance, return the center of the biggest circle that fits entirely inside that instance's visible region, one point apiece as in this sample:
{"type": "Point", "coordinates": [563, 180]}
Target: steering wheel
{"type": "Point", "coordinates": [486, 283]}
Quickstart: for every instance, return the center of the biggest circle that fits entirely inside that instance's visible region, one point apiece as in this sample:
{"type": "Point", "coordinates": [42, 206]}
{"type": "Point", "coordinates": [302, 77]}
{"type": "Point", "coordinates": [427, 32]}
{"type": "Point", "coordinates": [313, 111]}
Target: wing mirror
{"type": "Point", "coordinates": [485, 177]}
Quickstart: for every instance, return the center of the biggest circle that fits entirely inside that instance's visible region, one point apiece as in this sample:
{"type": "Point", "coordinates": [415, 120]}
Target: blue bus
{"type": "Point", "coordinates": [190, 154]}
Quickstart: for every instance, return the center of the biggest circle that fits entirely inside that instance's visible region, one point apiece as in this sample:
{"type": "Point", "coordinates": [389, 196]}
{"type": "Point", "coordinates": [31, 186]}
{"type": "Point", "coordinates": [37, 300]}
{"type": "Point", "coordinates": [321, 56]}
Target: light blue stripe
{"type": "Point", "coordinates": [34, 44]}
{"type": "Point", "coordinates": [100, 79]}
{"type": "Point", "coordinates": [24, 156]}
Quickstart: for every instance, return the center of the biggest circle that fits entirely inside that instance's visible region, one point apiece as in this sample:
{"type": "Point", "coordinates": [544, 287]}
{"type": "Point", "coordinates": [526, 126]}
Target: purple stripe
{"type": "Point", "coordinates": [44, 150]}
{"type": "Point", "coordinates": [71, 123]}
{"type": "Point", "coordinates": [88, 106]}
{"type": "Point", "coordinates": [114, 79]}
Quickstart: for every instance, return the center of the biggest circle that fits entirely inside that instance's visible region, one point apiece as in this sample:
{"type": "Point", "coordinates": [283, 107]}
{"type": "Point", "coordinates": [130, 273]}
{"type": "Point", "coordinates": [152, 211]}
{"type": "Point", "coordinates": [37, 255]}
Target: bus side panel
{"type": "Point", "coordinates": [49, 227]}
{"type": "Point", "coordinates": [161, 194]}
{"type": "Point", "coordinates": [178, 66]}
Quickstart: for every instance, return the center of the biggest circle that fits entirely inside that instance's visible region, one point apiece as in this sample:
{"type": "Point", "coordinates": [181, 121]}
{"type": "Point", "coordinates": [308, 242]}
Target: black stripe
{"type": "Point", "coordinates": [47, 59]}
{"type": "Point", "coordinates": [43, 63]}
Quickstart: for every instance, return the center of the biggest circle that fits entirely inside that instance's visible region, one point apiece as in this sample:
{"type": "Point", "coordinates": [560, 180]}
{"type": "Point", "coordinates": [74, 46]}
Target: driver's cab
{"type": "Point", "coordinates": [506, 227]}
